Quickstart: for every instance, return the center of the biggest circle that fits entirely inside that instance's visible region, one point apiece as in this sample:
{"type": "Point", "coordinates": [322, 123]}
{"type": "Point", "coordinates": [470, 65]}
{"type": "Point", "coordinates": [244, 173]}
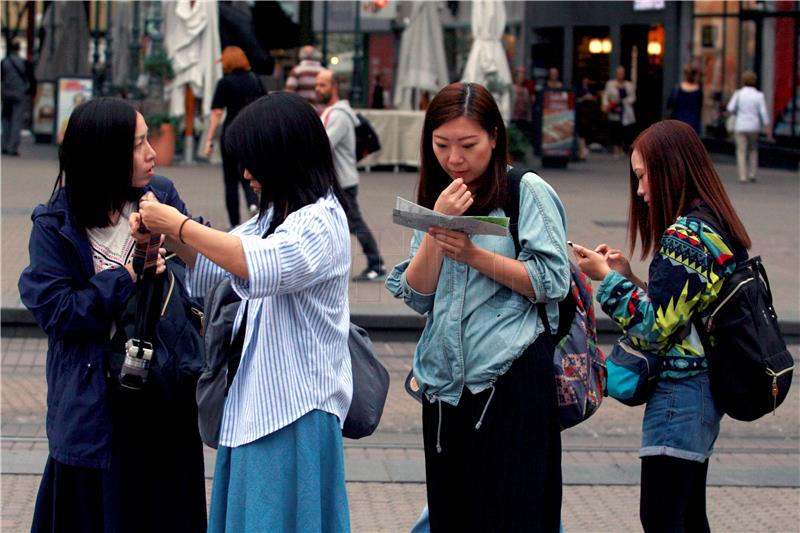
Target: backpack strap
{"type": "Point", "coordinates": [511, 208]}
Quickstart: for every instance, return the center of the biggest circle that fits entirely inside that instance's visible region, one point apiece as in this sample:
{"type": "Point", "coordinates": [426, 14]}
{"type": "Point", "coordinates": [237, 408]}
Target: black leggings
{"type": "Point", "coordinates": [673, 498]}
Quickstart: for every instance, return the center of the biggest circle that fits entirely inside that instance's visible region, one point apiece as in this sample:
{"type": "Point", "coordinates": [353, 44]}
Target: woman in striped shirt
{"type": "Point", "coordinates": [280, 464]}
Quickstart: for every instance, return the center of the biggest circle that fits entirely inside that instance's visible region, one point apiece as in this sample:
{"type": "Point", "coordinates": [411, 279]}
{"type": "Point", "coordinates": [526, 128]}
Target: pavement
{"type": "Point", "coordinates": [754, 477]}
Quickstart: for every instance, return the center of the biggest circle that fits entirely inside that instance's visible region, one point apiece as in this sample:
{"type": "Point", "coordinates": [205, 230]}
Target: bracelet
{"type": "Point", "coordinates": [180, 230]}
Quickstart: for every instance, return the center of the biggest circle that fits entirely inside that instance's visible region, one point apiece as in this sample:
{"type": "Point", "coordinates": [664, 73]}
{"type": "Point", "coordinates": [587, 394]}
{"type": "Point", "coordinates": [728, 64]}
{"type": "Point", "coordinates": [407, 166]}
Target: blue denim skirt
{"type": "Point", "coordinates": [681, 419]}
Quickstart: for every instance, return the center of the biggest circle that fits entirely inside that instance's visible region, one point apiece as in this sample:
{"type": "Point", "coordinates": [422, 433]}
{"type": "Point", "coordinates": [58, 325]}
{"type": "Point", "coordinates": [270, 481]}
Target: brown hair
{"type": "Point", "coordinates": [472, 101]}
{"type": "Point", "coordinates": [679, 171]}
{"type": "Point", "coordinates": [690, 73]}
{"type": "Point", "coordinates": [749, 78]}
{"type": "Point", "coordinates": [234, 58]}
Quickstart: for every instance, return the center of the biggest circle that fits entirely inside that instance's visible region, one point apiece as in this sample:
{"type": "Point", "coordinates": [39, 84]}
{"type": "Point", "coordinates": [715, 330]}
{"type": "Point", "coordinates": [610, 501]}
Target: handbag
{"type": "Point", "coordinates": [730, 120]}
{"type": "Point", "coordinates": [632, 374]}
{"type": "Point", "coordinates": [370, 386]}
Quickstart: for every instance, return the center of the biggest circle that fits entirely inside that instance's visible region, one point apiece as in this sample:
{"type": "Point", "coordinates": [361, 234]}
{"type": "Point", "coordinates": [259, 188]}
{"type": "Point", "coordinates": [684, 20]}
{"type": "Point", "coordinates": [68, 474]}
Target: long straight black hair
{"type": "Point", "coordinates": [281, 141]}
{"type": "Point", "coordinates": [95, 160]}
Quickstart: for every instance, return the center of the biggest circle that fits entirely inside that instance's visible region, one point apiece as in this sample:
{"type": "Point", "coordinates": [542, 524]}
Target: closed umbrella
{"type": "Point", "coordinates": [487, 63]}
{"type": "Point", "coordinates": [65, 48]}
{"type": "Point", "coordinates": [191, 38]}
{"type": "Point", "coordinates": [422, 65]}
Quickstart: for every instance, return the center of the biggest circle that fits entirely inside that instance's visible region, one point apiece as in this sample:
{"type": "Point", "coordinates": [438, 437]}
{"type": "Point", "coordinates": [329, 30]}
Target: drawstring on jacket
{"type": "Point", "coordinates": [439, 429]}
{"type": "Point", "coordinates": [485, 407]}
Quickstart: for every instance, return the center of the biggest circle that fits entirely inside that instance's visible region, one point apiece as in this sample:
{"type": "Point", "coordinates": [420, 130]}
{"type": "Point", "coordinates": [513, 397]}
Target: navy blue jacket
{"type": "Point", "coordinates": [75, 307]}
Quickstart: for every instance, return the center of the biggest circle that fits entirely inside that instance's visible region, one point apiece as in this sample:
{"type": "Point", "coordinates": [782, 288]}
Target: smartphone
{"type": "Point", "coordinates": [570, 243]}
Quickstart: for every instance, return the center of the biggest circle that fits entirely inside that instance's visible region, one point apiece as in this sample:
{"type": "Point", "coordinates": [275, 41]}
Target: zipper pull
{"type": "Point", "coordinates": [774, 394]}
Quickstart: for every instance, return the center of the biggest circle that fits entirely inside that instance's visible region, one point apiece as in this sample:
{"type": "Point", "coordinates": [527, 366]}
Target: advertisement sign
{"type": "Point", "coordinates": [71, 93]}
{"type": "Point", "coordinates": [44, 110]}
{"type": "Point", "coordinates": [558, 123]}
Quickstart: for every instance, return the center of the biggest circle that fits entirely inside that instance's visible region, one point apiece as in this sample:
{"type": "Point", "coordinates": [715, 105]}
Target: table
{"type": "Point", "coordinates": [399, 133]}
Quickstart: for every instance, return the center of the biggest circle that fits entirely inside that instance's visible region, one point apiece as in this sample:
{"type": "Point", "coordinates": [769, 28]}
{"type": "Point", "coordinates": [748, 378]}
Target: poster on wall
{"type": "Point", "coordinates": [71, 93]}
{"type": "Point", "coordinates": [44, 111]}
{"type": "Point", "coordinates": [558, 123]}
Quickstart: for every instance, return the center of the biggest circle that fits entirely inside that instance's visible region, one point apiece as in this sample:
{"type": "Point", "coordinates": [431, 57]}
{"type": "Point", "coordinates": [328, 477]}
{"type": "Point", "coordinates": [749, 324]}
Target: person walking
{"type": "Point", "coordinates": [586, 110]}
{"type": "Point", "coordinates": [672, 179]}
{"type": "Point", "coordinates": [16, 87]}
{"type": "Point", "coordinates": [485, 358]}
{"type": "Point", "coordinates": [618, 98]}
{"type": "Point", "coordinates": [302, 78]}
{"type": "Point", "coordinates": [119, 460]}
{"type": "Point", "coordinates": [750, 108]}
{"type": "Point", "coordinates": [686, 100]}
{"type": "Point", "coordinates": [237, 88]}
{"type": "Point", "coordinates": [280, 463]}
{"type": "Point", "coordinates": [340, 122]}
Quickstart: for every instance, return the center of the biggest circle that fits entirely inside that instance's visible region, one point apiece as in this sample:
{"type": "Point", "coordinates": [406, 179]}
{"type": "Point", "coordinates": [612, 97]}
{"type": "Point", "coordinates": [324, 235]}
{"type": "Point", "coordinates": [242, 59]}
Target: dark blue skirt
{"type": "Point", "coordinates": [155, 483]}
{"type": "Point", "coordinates": [289, 480]}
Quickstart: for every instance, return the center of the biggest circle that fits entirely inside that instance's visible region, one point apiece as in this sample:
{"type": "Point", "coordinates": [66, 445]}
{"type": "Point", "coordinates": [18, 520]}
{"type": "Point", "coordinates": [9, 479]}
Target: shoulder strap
{"type": "Point", "coordinates": [511, 206]}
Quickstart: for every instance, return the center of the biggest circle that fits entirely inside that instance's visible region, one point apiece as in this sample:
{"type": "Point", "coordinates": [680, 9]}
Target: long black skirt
{"type": "Point", "coordinates": [506, 475]}
{"type": "Point", "coordinates": [156, 481]}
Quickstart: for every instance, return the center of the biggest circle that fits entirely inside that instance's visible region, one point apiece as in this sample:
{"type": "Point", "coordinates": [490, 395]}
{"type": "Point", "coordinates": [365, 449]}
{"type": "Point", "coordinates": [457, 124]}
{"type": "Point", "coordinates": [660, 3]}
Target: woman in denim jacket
{"type": "Point", "coordinates": [671, 179]}
{"type": "Point", "coordinates": [485, 359]}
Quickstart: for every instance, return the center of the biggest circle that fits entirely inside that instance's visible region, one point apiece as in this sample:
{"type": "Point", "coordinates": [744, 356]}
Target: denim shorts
{"type": "Point", "coordinates": [681, 419]}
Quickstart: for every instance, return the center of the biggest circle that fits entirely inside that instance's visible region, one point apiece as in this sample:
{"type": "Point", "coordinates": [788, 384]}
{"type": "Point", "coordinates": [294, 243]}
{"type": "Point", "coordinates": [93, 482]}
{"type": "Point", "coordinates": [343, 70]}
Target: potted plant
{"type": "Point", "coordinates": [518, 143]}
{"type": "Point", "coordinates": [162, 127]}
{"type": "Point", "coordinates": [161, 135]}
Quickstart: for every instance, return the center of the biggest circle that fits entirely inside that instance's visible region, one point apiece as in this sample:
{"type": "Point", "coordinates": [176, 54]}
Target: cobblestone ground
{"type": "Point", "coordinates": [385, 507]}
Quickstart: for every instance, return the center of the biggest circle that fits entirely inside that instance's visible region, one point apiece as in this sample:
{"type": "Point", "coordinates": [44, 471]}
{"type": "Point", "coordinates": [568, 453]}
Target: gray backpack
{"type": "Point", "coordinates": [223, 353]}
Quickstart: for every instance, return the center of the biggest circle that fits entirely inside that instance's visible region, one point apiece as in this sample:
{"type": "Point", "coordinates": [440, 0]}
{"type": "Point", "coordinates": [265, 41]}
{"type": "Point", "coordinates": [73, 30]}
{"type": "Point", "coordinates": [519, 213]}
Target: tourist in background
{"type": "Point", "coordinates": [617, 102]}
{"type": "Point", "coordinates": [686, 100]}
{"type": "Point", "coordinates": [237, 88]}
{"type": "Point", "coordinates": [303, 77]}
{"type": "Point", "coordinates": [750, 108]}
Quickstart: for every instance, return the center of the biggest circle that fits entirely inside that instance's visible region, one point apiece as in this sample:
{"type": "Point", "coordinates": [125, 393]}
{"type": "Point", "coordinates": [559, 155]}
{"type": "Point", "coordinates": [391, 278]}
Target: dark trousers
{"type": "Point", "coordinates": [673, 497]}
{"type": "Point", "coordinates": [505, 476]}
{"type": "Point", "coordinates": [13, 116]}
{"type": "Point", "coordinates": [233, 178]}
{"type": "Point", "coordinates": [358, 227]}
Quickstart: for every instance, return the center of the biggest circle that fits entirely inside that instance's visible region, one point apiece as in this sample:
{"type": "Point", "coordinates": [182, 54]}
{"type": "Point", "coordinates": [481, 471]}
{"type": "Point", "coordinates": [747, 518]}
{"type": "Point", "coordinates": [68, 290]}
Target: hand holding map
{"type": "Point", "coordinates": [415, 216]}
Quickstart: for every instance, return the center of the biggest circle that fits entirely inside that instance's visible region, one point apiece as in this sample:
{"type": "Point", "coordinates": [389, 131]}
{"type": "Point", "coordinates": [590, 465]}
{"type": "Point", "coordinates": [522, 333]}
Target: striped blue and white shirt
{"type": "Point", "coordinates": [295, 357]}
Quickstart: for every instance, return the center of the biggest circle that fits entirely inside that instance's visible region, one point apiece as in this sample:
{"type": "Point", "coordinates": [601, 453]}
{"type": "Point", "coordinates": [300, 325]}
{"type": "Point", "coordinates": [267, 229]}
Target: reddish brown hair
{"type": "Point", "coordinates": [234, 58]}
{"type": "Point", "coordinates": [680, 172]}
{"type": "Point", "coordinates": [474, 102]}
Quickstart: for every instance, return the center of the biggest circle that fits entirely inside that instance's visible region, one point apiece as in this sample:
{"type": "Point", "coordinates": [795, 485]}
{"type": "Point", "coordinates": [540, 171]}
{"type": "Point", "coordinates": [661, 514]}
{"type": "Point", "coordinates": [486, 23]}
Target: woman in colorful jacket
{"type": "Point", "coordinates": [671, 179]}
{"type": "Point", "coordinates": [119, 460]}
{"type": "Point", "coordinates": [280, 463]}
{"type": "Point", "coordinates": [485, 358]}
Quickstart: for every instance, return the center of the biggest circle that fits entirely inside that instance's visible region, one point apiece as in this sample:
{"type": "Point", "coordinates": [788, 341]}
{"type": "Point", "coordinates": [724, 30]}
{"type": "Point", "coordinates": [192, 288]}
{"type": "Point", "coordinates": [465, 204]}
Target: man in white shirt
{"type": "Point", "coordinates": [750, 108]}
{"type": "Point", "coordinates": [340, 123]}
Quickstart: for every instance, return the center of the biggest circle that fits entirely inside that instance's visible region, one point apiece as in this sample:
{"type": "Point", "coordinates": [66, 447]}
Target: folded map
{"type": "Point", "coordinates": [415, 216]}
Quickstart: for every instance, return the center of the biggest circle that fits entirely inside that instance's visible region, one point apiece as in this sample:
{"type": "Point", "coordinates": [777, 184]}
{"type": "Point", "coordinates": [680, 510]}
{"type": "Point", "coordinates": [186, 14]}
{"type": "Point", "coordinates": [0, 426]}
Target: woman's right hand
{"type": "Point", "coordinates": [616, 260]}
{"type": "Point", "coordinates": [208, 148]}
{"type": "Point", "coordinates": [455, 199]}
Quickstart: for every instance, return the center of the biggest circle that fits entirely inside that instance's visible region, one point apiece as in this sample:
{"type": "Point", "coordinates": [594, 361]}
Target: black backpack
{"type": "Point", "coordinates": [749, 367]}
{"type": "Point", "coordinates": [367, 140]}
{"type": "Point", "coordinates": [223, 354]}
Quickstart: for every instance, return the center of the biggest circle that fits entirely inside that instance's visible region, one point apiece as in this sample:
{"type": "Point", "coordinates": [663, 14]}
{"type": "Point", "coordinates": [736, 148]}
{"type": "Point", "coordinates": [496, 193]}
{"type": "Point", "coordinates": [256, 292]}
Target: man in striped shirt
{"type": "Point", "coordinates": [303, 77]}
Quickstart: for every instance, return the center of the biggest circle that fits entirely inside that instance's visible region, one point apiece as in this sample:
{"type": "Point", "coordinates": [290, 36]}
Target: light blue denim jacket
{"type": "Point", "coordinates": [477, 327]}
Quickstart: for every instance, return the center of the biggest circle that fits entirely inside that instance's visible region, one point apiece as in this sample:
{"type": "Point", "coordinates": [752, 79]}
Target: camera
{"type": "Point", "coordinates": [136, 365]}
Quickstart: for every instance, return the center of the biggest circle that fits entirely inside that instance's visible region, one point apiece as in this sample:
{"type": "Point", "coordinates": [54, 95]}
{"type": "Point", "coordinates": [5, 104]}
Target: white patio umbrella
{"type": "Point", "coordinates": [487, 63]}
{"type": "Point", "coordinates": [191, 39]}
{"type": "Point", "coordinates": [422, 65]}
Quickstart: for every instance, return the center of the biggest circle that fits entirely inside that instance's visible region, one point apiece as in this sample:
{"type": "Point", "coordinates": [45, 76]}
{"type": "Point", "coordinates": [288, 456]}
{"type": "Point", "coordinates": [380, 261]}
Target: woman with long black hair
{"type": "Point", "coordinates": [280, 464]}
{"type": "Point", "coordinates": [120, 460]}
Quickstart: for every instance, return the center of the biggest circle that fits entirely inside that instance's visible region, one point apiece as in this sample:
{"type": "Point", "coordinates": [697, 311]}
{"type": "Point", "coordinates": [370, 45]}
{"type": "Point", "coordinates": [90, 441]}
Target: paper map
{"type": "Point", "coordinates": [415, 216]}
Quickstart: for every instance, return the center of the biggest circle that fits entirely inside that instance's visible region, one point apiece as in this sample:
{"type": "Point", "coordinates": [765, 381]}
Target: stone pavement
{"type": "Point", "coordinates": [595, 194]}
{"type": "Point", "coordinates": [754, 477]}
